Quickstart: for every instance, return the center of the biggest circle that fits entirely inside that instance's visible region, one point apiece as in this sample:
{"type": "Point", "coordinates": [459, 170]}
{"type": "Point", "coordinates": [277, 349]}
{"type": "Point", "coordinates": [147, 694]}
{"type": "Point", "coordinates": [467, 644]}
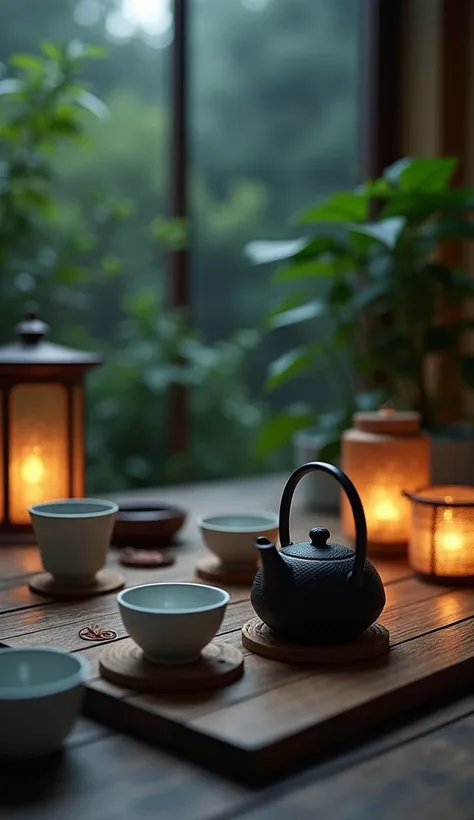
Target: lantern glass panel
{"type": "Point", "coordinates": [2, 511]}
{"type": "Point", "coordinates": [78, 442]}
{"type": "Point", "coordinates": [442, 537]}
{"type": "Point", "coordinates": [39, 462]}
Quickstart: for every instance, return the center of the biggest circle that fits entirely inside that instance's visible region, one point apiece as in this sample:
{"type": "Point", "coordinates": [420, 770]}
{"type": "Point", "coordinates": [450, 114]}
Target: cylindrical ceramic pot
{"type": "Point", "coordinates": [318, 492]}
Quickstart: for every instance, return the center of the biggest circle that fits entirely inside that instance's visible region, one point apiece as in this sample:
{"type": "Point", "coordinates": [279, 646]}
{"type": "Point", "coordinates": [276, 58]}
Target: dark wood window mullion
{"type": "Point", "coordinates": [179, 259]}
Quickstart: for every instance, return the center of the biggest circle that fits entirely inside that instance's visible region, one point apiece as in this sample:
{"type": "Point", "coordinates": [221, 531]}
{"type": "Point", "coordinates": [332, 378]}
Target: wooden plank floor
{"type": "Point", "coordinates": [152, 783]}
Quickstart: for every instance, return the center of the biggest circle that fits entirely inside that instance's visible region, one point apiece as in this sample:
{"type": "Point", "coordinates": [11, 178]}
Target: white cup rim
{"type": "Point", "coordinates": [42, 511]}
{"type": "Point", "coordinates": [225, 598]}
{"type": "Point", "coordinates": [272, 522]}
{"type": "Point", "coordinates": [40, 690]}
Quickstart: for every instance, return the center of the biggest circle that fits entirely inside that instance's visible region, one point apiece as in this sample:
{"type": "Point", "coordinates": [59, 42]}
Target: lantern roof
{"type": "Point", "coordinates": [31, 349]}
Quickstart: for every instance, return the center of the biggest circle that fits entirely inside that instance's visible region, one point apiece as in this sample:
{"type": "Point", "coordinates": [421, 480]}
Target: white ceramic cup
{"type": "Point", "coordinates": [231, 536]}
{"type": "Point", "coordinates": [40, 696]}
{"type": "Point", "coordinates": [172, 622]}
{"type": "Point", "coordinates": [73, 536]}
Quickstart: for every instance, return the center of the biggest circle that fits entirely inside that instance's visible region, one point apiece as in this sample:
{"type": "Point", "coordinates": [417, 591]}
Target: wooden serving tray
{"type": "Point", "coordinates": [277, 717]}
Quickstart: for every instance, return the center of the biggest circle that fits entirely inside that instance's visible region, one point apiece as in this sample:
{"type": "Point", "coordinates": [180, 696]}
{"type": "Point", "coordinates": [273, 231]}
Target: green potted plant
{"type": "Point", "coordinates": [391, 306]}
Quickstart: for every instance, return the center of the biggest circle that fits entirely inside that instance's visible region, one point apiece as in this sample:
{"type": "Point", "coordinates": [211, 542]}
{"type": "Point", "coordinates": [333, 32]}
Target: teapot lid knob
{"type": "Point", "coordinates": [319, 536]}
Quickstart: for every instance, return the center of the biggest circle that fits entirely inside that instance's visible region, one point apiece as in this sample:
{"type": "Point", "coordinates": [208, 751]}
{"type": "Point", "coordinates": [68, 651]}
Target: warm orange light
{"type": "Point", "coordinates": [386, 511]}
{"type": "Point", "coordinates": [442, 537]}
{"type": "Point", "coordinates": [39, 464]}
{"type": "Point", "coordinates": [32, 471]}
{"type": "Point", "coordinates": [384, 455]}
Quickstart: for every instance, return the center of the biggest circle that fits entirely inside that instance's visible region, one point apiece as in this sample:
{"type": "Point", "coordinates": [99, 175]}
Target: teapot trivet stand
{"type": "Point", "coordinates": [210, 568]}
{"type": "Point", "coordinates": [106, 580]}
{"type": "Point", "coordinates": [123, 663]}
{"type": "Point", "coordinates": [261, 640]}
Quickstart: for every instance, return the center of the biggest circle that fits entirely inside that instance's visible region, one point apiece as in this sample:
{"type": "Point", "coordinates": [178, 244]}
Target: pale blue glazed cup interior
{"type": "Point", "coordinates": [240, 522]}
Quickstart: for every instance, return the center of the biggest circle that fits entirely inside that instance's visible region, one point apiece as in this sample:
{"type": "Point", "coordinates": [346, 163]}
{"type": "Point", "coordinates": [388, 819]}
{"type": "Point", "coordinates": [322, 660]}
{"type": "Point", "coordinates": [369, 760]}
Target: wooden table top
{"type": "Point", "coordinates": [424, 767]}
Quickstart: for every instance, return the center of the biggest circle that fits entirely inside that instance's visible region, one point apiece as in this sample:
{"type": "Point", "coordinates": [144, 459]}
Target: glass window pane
{"type": "Point", "coordinates": [96, 263]}
{"type": "Point", "coordinates": [273, 131]}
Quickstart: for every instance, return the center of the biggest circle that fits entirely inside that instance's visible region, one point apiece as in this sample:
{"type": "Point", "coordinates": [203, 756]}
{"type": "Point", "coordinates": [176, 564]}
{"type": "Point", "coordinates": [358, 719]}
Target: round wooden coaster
{"type": "Point", "coordinates": [209, 568]}
{"type": "Point", "coordinates": [106, 580]}
{"type": "Point", "coordinates": [123, 663]}
{"type": "Point", "coordinates": [260, 639]}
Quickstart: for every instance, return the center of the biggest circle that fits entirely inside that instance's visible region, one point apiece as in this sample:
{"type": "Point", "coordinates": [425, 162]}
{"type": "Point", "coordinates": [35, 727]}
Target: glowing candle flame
{"type": "Point", "coordinates": [32, 469]}
{"type": "Point", "coordinates": [451, 541]}
{"type": "Point", "coordinates": [386, 511]}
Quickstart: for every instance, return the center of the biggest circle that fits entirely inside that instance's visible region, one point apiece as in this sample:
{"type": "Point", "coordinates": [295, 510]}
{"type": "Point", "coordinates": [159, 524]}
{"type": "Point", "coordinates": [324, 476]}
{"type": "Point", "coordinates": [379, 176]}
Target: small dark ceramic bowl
{"type": "Point", "coordinates": [146, 524]}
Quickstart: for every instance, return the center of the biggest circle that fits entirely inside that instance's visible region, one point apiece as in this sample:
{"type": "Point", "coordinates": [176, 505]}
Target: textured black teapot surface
{"type": "Point", "coordinates": [314, 591]}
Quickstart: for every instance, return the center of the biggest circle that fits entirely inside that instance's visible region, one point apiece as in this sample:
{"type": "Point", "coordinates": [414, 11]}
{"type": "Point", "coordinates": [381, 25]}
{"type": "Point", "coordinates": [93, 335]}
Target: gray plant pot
{"type": "Point", "coordinates": [317, 491]}
{"type": "Point", "coordinates": [452, 460]}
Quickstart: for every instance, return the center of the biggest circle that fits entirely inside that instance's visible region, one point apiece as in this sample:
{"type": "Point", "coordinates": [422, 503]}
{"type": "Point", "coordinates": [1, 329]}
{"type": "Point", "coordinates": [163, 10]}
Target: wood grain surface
{"type": "Point", "coordinates": [423, 766]}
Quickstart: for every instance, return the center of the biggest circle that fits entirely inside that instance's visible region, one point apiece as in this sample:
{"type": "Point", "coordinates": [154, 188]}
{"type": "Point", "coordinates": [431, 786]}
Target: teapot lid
{"type": "Point", "coordinates": [318, 549]}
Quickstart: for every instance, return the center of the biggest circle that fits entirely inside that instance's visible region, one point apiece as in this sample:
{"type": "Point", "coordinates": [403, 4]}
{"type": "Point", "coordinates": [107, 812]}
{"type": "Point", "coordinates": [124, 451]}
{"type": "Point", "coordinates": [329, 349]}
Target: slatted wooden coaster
{"type": "Point", "coordinates": [123, 663]}
{"type": "Point", "coordinates": [209, 568]}
{"type": "Point", "coordinates": [260, 639]}
{"type": "Point", "coordinates": [106, 580]}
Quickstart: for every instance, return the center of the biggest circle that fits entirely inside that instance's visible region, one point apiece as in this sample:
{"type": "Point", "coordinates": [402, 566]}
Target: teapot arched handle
{"type": "Point", "coordinates": [354, 500]}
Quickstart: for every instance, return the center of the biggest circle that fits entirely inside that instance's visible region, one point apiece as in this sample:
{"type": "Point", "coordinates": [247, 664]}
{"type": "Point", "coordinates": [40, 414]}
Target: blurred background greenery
{"type": "Point", "coordinates": [84, 153]}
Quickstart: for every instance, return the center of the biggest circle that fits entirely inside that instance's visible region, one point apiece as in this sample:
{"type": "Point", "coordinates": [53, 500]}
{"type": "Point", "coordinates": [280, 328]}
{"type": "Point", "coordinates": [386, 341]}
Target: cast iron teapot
{"type": "Point", "coordinates": [314, 592]}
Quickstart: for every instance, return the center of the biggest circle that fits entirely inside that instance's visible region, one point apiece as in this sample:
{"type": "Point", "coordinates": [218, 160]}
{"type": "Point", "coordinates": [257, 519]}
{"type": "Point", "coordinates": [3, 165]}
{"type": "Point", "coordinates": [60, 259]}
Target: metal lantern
{"type": "Point", "coordinates": [441, 547]}
{"type": "Point", "coordinates": [41, 424]}
{"type": "Point", "coordinates": [384, 455]}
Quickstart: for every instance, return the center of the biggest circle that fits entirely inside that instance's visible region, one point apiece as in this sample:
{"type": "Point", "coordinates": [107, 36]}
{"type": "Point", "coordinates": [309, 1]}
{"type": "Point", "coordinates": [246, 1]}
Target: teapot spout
{"type": "Point", "coordinates": [275, 570]}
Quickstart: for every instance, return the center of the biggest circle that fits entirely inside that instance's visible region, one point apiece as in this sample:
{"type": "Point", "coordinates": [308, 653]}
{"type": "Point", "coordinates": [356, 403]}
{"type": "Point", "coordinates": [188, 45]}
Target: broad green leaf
{"type": "Point", "coordinates": [340, 293]}
{"type": "Point", "coordinates": [171, 234]}
{"type": "Point", "coordinates": [310, 310]}
{"type": "Point", "coordinates": [52, 51]}
{"type": "Point", "coordinates": [287, 366]}
{"type": "Point", "coordinates": [89, 102]}
{"type": "Point", "coordinates": [279, 429]}
{"type": "Point", "coordinates": [321, 246]}
{"type": "Point", "coordinates": [262, 253]}
{"type": "Point", "coordinates": [450, 228]}
{"type": "Point", "coordinates": [360, 245]}
{"type": "Point", "coordinates": [95, 52]}
{"type": "Point", "coordinates": [330, 449]}
{"type": "Point", "coordinates": [27, 62]}
{"type": "Point", "coordinates": [393, 172]}
{"type": "Point", "coordinates": [344, 334]}
{"type": "Point", "coordinates": [386, 231]}
{"type": "Point", "coordinates": [110, 265]}
{"type": "Point", "coordinates": [310, 269]}
{"type": "Point", "coordinates": [376, 189]}
{"type": "Point", "coordinates": [415, 206]}
{"type": "Point", "coordinates": [291, 300]}
{"type": "Point", "coordinates": [467, 370]}
{"type": "Point", "coordinates": [71, 275]}
{"type": "Point", "coordinates": [427, 174]}
{"type": "Point", "coordinates": [342, 207]}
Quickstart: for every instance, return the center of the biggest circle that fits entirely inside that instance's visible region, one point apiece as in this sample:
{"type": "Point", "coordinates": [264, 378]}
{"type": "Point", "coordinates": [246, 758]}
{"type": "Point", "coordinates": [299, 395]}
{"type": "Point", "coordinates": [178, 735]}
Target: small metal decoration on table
{"type": "Point", "coordinates": [317, 602]}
